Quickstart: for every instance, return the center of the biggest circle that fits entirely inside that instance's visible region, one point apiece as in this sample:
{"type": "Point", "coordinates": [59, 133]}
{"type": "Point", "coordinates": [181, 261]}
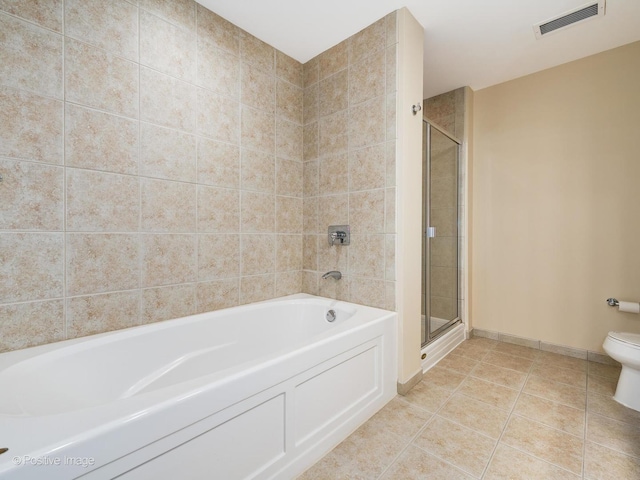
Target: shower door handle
{"type": "Point", "coordinates": [431, 232]}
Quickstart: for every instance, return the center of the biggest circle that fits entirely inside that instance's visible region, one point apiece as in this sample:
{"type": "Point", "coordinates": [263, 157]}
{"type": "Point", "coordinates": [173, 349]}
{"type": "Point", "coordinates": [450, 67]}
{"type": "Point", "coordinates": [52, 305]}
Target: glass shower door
{"type": "Point", "coordinates": [440, 229]}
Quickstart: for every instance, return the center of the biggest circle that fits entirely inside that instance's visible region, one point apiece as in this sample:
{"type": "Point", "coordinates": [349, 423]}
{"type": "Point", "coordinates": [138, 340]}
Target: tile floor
{"type": "Point", "coordinates": [492, 410]}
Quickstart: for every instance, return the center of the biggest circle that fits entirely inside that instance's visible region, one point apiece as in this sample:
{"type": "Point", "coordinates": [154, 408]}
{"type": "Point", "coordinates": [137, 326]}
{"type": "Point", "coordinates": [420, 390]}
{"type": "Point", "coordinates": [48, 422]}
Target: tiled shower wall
{"type": "Point", "coordinates": [448, 112]}
{"type": "Point", "coordinates": [349, 166]}
{"type": "Point", "coordinates": [151, 155]}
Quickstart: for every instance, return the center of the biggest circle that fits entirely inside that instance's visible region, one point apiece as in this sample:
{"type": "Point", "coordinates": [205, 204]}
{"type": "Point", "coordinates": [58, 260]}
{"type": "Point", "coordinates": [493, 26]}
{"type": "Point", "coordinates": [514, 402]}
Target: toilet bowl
{"type": "Point", "coordinates": [625, 348]}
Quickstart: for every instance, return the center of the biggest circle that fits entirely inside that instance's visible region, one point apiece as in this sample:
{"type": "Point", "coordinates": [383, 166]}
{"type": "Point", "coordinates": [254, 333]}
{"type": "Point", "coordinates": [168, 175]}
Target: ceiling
{"type": "Point", "coordinates": [467, 42]}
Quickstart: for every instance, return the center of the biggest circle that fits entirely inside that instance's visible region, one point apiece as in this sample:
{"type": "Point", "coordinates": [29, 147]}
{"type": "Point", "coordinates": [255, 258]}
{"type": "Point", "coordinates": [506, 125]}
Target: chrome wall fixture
{"type": "Point", "coordinates": [416, 108]}
{"type": "Point", "coordinates": [339, 235]}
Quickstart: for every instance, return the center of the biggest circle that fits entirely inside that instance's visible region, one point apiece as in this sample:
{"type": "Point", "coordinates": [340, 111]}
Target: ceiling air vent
{"type": "Point", "coordinates": [586, 12]}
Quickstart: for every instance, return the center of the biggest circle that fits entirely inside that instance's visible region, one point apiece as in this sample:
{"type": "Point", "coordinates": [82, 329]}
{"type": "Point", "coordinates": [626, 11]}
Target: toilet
{"type": "Point", "coordinates": [625, 348]}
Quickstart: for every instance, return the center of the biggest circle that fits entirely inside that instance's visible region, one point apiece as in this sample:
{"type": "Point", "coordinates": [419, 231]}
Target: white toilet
{"type": "Point", "coordinates": [625, 348]}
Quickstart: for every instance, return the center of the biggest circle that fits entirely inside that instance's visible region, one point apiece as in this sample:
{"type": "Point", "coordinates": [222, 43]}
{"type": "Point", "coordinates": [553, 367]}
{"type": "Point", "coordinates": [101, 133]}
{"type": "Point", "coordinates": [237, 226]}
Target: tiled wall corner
{"type": "Point", "coordinates": [152, 156]}
{"type": "Point", "coordinates": [349, 166]}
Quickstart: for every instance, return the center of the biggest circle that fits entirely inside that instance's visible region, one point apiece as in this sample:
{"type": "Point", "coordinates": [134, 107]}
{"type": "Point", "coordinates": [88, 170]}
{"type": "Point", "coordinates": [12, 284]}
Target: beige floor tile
{"type": "Point", "coordinates": [510, 464]}
{"type": "Point", "coordinates": [602, 370]}
{"type": "Point", "coordinates": [458, 363]}
{"type": "Point", "coordinates": [558, 392]}
{"type": "Point", "coordinates": [414, 464]}
{"type": "Point", "coordinates": [475, 414]}
{"type": "Point", "coordinates": [495, 395]}
{"type": "Point", "coordinates": [562, 361]}
{"type": "Point", "coordinates": [562, 375]}
{"type": "Point", "coordinates": [400, 418]}
{"type": "Point", "coordinates": [508, 361]}
{"type": "Point", "coordinates": [364, 455]}
{"type": "Point", "coordinates": [606, 406]}
{"type": "Point", "coordinates": [499, 375]}
{"type": "Point", "coordinates": [546, 443]}
{"type": "Point", "coordinates": [602, 385]}
{"type": "Point", "coordinates": [552, 414]}
{"type": "Point", "coordinates": [442, 377]}
{"type": "Point", "coordinates": [428, 397]}
{"type": "Point", "coordinates": [474, 348]}
{"type": "Point", "coordinates": [447, 440]}
{"type": "Point", "coordinates": [624, 437]}
{"type": "Point", "coordinates": [601, 463]}
{"type": "Point", "coordinates": [517, 350]}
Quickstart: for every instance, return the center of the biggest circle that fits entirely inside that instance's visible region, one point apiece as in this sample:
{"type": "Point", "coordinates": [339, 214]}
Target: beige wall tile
{"type": "Point", "coordinates": [178, 12]}
{"type": "Point", "coordinates": [334, 174]}
{"type": "Point", "coordinates": [168, 259]}
{"type": "Point", "coordinates": [311, 103]}
{"type": "Point", "coordinates": [99, 79]}
{"type": "Point", "coordinates": [258, 88]}
{"type": "Point", "coordinates": [258, 254]}
{"type": "Point", "coordinates": [257, 288]}
{"type": "Point", "coordinates": [332, 257]}
{"type": "Point", "coordinates": [32, 126]}
{"type": "Point", "coordinates": [367, 291]}
{"type": "Point", "coordinates": [258, 171]}
{"type": "Point", "coordinates": [310, 282]}
{"type": "Point", "coordinates": [29, 324]}
{"type": "Point", "coordinates": [32, 196]}
{"type": "Point", "coordinates": [289, 138]}
{"type": "Point", "coordinates": [310, 252]}
{"type": "Point", "coordinates": [218, 210]}
{"type": "Point", "coordinates": [100, 141]}
{"type": "Point", "coordinates": [366, 211]}
{"type": "Point", "coordinates": [390, 257]}
{"type": "Point", "coordinates": [390, 117]}
{"type": "Point", "coordinates": [333, 60]}
{"type": "Point", "coordinates": [167, 206]}
{"type": "Point", "coordinates": [390, 210]}
{"type": "Point", "coordinates": [367, 168]}
{"type": "Point", "coordinates": [311, 72]}
{"type": "Point", "coordinates": [310, 178]}
{"type": "Point", "coordinates": [367, 256]}
{"type": "Point", "coordinates": [258, 130]}
{"type": "Point", "coordinates": [31, 266]}
{"type": "Point", "coordinates": [46, 13]}
{"type": "Point", "coordinates": [218, 70]}
{"type": "Point", "coordinates": [288, 215]}
{"type": "Point", "coordinates": [289, 102]}
{"type": "Point", "coordinates": [31, 57]}
{"type": "Point", "coordinates": [333, 136]}
{"type": "Point", "coordinates": [101, 263]}
{"type": "Point", "coordinates": [218, 163]}
{"type": "Point", "coordinates": [289, 69]}
{"type": "Point", "coordinates": [166, 303]}
{"type": "Point", "coordinates": [98, 201]}
{"type": "Point", "coordinates": [256, 52]}
{"type": "Point", "coordinates": [167, 48]}
{"type": "Point", "coordinates": [218, 294]}
{"type": "Point", "coordinates": [390, 288]}
{"type": "Point", "coordinates": [288, 252]}
{"type": "Point", "coordinates": [367, 78]}
{"type": "Point", "coordinates": [333, 210]}
{"type": "Point", "coordinates": [390, 155]}
{"type": "Point", "coordinates": [310, 215]}
{"type": "Point", "coordinates": [166, 153]}
{"type": "Point", "coordinates": [218, 257]}
{"type": "Point", "coordinates": [258, 212]}
{"type": "Point", "coordinates": [367, 41]}
{"type": "Point", "coordinates": [391, 59]}
{"type": "Point", "coordinates": [288, 283]}
{"type": "Point", "coordinates": [334, 94]}
{"type": "Point", "coordinates": [102, 313]}
{"type": "Point", "coordinates": [217, 31]}
{"type": "Point", "coordinates": [391, 25]}
{"type": "Point", "coordinates": [367, 123]}
{"type": "Point", "coordinates": [289, 177]}
{"type": "Point", "coordinates": [167, 101]}
{"type": "Point", "coordinates": [111, 25]}
{"type": "Point", "coordinates": [310, 141]}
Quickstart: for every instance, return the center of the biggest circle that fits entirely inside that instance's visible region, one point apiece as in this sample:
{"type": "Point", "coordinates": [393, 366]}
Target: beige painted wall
{"type": "Point", "coordinates": [409, 208]}
{"type": "Point", "coordinates": [556, 201]}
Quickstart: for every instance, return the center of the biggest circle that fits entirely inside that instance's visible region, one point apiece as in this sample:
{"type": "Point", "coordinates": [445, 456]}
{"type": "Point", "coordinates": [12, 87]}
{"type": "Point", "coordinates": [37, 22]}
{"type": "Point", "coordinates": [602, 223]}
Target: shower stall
{"type": "Point", "coordinates": [441, 236]}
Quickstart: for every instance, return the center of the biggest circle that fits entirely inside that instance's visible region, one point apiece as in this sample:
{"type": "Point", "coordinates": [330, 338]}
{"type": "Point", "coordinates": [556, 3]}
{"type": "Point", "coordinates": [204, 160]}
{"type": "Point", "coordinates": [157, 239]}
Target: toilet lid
{"type": "Point", "coordinates": [632, 338]}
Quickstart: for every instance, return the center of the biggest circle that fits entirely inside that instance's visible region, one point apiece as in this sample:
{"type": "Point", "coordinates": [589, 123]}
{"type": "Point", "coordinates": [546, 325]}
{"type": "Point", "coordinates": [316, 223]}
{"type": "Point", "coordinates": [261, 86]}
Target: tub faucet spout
{"type": "Point", "coordinates": [333, 274]}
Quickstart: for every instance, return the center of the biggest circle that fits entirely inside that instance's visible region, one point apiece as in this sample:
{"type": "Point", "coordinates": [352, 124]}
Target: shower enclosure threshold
{"type": "Point", "coordinates": [442, 346]}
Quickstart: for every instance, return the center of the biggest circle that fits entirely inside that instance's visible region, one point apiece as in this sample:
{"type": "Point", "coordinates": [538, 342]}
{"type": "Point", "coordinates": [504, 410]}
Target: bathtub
{"type": "Point", "coordinates": [257, 391]}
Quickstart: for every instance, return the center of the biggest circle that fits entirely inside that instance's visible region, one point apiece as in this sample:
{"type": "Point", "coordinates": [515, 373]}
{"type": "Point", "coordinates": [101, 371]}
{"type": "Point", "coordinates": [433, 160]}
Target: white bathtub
{"type": "Point", "coordinates": [258, 391]}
